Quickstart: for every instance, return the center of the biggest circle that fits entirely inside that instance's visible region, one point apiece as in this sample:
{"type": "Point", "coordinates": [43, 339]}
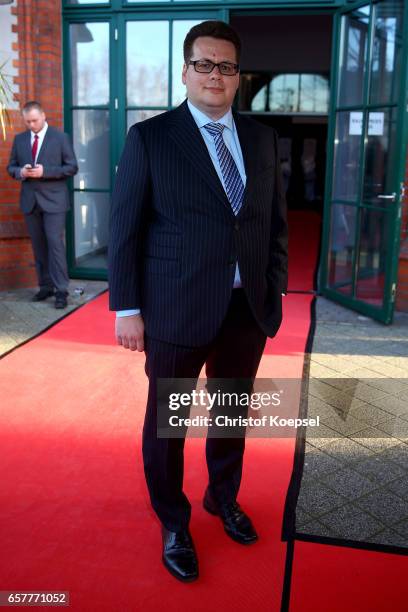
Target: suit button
{"type": "Point", "coordinates": [236, 227]}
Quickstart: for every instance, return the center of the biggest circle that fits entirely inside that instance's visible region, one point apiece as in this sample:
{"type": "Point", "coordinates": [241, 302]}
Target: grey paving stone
{"type": "Point", "coordinates": [318, 464]}
{"type": "Point", "coordinates": [317, 370]}
{"type": "Point", "coordinates": [345, 426]}
{"type": "Point", "coordinates": [314, 528]}
{"type": "Point", "coordinates": [391, 386]}
{"type": "Point", "coordinates": [343, 383]}
{"type": "Point", "coordinates": [379, 471]}
{"type": "Point", "coordinates": [401, 528]}
{"type": "Point", "coordinates": [352, 523]}
{"type": "Point", "coordinates": [399, 487]}
{"type": "Point", "coordinates": [389, 537]}
{"type": "Point", "coordinates": [321, 390]}
{"type": "Point", "coordinates": [349, 483]}
{"type": "Point", "coordinates": [403, 395]}
{"type": "Point", "coordinates": [375, 439]}
{"type": "Point", "coordinates": [391, 404]}
{"type": "Point", "coordinates": [322, 435]}
{"type": "Point", "coordinates": [385, 506]}
{"type": "Point", "coordinates": [345, 401]}
{"type": "Point", "coordinates": [317, 499]}
{"type": "Point", "coordinates": [339, 363]}
{"type": "Point", "coordinates": [368, 414]}
{"type": "Point", "coordinates": [318, 407]}
{"type": "Point", "coordinates": [398, 454]}
{"type": "Point", "coordinates": [302, 516]}
{"type": "Point", "coordinates": [346, 450]}
{"type": "Point", "coordinates": [367, 392]}
{"type": "Point", "coordinates": [396, 427]}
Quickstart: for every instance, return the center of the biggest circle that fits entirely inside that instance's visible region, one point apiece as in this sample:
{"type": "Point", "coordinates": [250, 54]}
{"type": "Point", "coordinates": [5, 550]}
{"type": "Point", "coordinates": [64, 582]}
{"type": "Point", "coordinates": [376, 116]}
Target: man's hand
{"type": "Point", "coordinates": [24, 171]}
{"type": "Point", "coordinates": [36, 172]}
{"type": "Point", "coordinates": [130, 332]}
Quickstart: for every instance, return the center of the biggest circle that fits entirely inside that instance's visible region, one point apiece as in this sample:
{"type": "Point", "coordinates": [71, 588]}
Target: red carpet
{"type": "Point", "coordinates": [338, 579]}
{"type": "Point", "coordinates": [304, 240]}
{"type": "Point", "coordinates": [74, 512]}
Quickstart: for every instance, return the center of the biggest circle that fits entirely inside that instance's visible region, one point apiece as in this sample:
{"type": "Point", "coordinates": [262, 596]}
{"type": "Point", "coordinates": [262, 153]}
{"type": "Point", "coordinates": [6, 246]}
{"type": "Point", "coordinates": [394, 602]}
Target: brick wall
{"type": "Point", "coordinates": [39, 77]}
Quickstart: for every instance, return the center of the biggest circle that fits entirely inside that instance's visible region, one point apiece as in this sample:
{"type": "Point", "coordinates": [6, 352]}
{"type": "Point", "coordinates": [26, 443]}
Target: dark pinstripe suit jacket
{"type": "Point", "coordinates": [175, 240]}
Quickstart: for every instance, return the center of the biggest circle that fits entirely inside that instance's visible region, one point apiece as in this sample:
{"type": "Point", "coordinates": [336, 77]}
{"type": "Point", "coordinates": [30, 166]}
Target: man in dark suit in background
{"type": "Point", "coordinates": [198, 266]}
{"type": "Point", "coordinates": [42, 158]}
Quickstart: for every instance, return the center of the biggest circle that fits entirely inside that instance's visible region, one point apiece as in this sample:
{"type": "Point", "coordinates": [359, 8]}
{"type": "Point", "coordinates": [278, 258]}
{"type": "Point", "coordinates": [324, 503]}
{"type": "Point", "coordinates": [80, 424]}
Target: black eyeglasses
{"type": "Point", "coordinates": [205, 67]}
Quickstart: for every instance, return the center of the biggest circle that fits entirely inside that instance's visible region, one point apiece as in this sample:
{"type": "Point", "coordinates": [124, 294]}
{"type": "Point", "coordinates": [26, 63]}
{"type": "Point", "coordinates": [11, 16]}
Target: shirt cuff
{"type": "Point", "coordinates": [127, 313]}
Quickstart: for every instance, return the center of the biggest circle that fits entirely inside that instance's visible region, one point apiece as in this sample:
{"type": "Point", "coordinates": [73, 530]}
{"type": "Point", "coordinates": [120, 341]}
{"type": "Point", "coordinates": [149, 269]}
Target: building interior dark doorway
{"type": "Point", "coordinates": [285, 77]}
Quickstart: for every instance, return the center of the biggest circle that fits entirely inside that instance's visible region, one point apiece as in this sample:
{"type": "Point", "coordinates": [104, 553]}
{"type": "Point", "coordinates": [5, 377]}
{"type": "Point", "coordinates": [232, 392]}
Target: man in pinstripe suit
{"type": "Point", "coordinates": [198, 266]}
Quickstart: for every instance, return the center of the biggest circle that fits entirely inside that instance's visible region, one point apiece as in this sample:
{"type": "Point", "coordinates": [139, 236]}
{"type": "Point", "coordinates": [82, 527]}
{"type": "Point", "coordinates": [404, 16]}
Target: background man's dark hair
{"type": "Point", "coordinates": [32, 105]}
{"type": "Point", "coordinates": [215, 29]}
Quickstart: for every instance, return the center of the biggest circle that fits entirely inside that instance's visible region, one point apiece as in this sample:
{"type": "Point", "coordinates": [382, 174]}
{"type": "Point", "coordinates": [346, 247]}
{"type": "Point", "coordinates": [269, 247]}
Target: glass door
{"type": "Point", "coordinates": [88, 115]}
{"type": "Point", "coordinates": [123, 68]}
{"type": "Point", "coordinates": [149, 79]}
{"type": "Point", "coordinates": [366, 159]}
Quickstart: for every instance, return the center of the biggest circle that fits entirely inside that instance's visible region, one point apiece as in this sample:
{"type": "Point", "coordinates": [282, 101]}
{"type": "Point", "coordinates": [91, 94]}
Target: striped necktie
{"type": "Point", "coordinates": [232, 178]}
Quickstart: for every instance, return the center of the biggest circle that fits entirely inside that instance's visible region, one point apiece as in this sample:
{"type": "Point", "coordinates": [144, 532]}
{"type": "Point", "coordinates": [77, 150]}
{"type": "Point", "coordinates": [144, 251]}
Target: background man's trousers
{"type": "Point", "coordinates": [47, 237]}
{"type": "Point", "coordinates": [234, 353]}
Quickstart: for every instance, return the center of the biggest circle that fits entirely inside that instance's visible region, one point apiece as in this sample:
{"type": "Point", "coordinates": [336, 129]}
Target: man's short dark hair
{"type": "Point", "coordinates": [215, 29]}
{"type": "Point", "coordinates": [32, 105]}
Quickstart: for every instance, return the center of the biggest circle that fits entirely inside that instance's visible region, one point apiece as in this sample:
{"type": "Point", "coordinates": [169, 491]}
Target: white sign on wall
{"type": "Point", "coordinates": [356, 123]}
{"type": "Point", "coordinates": [375, 124]}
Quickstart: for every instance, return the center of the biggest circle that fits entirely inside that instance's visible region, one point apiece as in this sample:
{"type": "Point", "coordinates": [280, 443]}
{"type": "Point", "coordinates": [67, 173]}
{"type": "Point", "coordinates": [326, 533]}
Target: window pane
{"type": "Point", "coordinates": [147, 59]}
{"type": "Point", "coordinates": [259, 100]}
{"type": "Point", "coordinates": [314, 94]}
{"type": "Point", "coordinates": [347, 156]}
{"type": "Point", "coordinates": [284, 93]}
{"type": "Point", "coordinates": [380, 148]}
{"type": "Point", "coordinates": [91, 216]}
{"type": "Point", "coordinates": [91, 144]}
{"type": "Point", "coordinates": [387, 51]}
{"type": "Point", "coordinates": [90, 63]}
{"type": "Point", "coordinates": [134, 116]}
{"type": "Point", "coordinates": [180, 29]}
{"type": "Point", "coordinates": [342, 239]}
{"type": "Point", "coordinates": [353, 43]}
{"type": "Point", "coordinates": [372, 256]}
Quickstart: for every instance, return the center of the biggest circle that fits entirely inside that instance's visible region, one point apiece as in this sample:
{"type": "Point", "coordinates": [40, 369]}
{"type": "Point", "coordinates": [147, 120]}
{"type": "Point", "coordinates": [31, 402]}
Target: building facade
{"type": "Point", "coordinates": [330, 76]}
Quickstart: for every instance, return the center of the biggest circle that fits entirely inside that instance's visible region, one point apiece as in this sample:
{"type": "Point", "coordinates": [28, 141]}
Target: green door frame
{"type": "Point", "coordinates": [384, 314]}
{"type": "Point", "coordinates": [117, 13]}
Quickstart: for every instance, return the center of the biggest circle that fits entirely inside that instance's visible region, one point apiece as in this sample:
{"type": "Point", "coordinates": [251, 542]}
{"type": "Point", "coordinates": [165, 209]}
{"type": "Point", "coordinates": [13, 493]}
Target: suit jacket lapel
{"type": "Point", "coordinates": [185, 133]}
{"type": "Point", "coordinates": [43, 146]}
{"type": "Point", "coordinates": [27, 147]}
{"type": "Point", "coordinates": [249, 153]}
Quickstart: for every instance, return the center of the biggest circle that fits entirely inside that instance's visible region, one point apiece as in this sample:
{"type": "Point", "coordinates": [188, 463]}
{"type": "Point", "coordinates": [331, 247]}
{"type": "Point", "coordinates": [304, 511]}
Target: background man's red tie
{"type": "Point", "coordinates": [34, 148]}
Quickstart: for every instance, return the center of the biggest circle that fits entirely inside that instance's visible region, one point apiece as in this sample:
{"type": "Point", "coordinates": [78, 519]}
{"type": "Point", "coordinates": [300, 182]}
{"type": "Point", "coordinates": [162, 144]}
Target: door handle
{"type": "Point", "coordinates": [392, 196]}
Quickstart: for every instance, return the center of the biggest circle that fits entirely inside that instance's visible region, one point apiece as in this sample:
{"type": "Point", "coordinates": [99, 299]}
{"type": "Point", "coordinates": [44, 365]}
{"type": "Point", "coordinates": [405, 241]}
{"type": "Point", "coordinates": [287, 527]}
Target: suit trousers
{"type": "Point", "coordinates": [47, 237]}
{"type": "Point", "coordinates": [234, 353]}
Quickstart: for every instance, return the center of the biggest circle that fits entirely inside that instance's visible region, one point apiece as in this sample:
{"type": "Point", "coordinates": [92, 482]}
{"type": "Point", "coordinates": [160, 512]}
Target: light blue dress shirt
{"type": "Point", "coordinates": [231, 140]}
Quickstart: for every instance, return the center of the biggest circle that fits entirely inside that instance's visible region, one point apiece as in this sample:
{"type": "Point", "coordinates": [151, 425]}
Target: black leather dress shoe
{"type": "Point", "coordinates": [60, 299]}
{"type": "Point", "coordinates": [43, 294]}
{"type": "Point", "coordinates": [236, 523]}
{"type": "Point", "coordinates": [179, 555]}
